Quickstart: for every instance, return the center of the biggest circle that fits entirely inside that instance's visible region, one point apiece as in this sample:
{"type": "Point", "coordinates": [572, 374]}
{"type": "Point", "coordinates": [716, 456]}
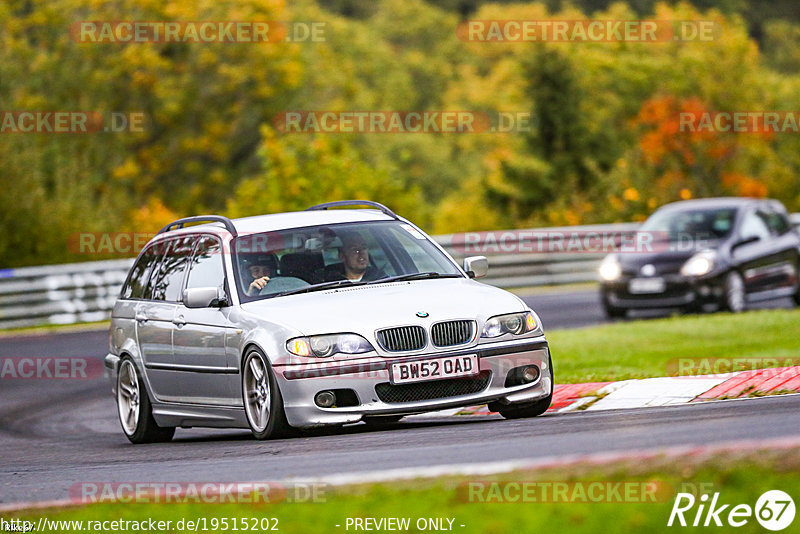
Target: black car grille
{"type": "Point", "coordinates": [452, 333]}
{"type": "Point", "coordinates": [435, 389]}
{"type": "Point", "coordinates": [402, 339]}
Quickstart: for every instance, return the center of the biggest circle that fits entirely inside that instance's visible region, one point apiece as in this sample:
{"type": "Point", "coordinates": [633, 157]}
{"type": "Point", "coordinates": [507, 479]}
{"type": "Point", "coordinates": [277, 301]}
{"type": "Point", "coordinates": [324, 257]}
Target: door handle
{"type": "Point", "coordinates": [179, 320]}
{"type": "Point", "coordinates": [141, 318]}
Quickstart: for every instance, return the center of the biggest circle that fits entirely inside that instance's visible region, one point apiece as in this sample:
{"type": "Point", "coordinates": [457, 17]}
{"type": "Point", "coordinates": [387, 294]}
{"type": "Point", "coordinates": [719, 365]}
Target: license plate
{"type": "Point", "coordinates": [646, 285]}
{"type": "Point", "coordinates": [422, 370]}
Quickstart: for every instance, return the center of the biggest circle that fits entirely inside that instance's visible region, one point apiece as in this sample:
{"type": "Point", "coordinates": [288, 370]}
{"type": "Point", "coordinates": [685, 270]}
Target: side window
{"type": "Point", "coordinates": [136, 285]}
{"type": "Point", "coordinates": [753, 225]}
{"type": "Point", "coordinates": [776, 222]}
{"type": "Point", "coordinates": [207, 269]}
{"type": "Point", "coordinates": [167, 283]}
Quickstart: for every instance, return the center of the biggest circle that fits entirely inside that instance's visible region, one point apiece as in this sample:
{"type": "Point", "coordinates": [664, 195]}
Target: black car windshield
{"type": "Point", "coordinates": [302, 260]}
{"type": "Point", "coordinates": [709, 224]}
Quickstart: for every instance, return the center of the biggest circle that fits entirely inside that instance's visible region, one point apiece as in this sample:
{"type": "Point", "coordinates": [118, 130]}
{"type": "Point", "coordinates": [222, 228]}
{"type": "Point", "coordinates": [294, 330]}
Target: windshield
{"type": "Point", "coordinates": [319, 257]}
{"type": "Point", "coordinates": [692, 224]}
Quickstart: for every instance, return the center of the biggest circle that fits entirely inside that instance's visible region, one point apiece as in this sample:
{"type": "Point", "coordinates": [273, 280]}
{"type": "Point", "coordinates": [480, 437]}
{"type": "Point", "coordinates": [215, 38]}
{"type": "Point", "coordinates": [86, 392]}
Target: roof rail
{"type": "Point", "coordinates": [181, 223]}
{"type": "Point", "coordinates": [339, 203]}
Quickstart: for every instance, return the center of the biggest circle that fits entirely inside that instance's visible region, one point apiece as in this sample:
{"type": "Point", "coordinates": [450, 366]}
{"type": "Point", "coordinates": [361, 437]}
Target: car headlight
{"type": "Point", "coordinates": [512, 323]}
{"type": "Point", "coordinates": [328, 345]}
{"type": "Point", "coordinates": [610, 269]}
{"type": "Point", "coordinates": [699, 264]}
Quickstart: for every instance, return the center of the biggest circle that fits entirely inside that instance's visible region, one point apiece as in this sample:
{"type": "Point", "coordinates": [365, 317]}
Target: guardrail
{"type": "Point", "coordinates": [84, 292]}
{"type": "Point", "coordinates": [60, 294]}
{"type": "Point", "coordinates": [514, 262]}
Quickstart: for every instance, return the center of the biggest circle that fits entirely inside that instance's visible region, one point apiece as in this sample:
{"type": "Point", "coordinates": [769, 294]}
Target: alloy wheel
{"type": "Point", "coordinates": [128, 397]}
{"type": "Point", "coordinates": [258, 396]}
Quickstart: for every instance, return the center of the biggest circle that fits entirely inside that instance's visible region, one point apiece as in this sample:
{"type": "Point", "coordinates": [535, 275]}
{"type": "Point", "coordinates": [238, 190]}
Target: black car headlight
{"type": "Point", "coordinates": [328, 345]}
{"type": "Point", "coordinates": [512, 323]}
{"type": "Point", "coordinates": [610, 268]}
{"type": "Point", "coordinates": [701, 263]}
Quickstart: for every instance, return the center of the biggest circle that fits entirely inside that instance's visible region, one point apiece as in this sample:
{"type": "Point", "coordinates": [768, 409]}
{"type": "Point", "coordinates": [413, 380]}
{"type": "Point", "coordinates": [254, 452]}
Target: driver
{"type": "Point", "coordinates": [261, 269]}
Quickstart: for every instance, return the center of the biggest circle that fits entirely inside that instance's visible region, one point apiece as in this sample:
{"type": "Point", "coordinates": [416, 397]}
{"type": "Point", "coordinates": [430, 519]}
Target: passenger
{"type": "Point", "coordinates": [355, 265]}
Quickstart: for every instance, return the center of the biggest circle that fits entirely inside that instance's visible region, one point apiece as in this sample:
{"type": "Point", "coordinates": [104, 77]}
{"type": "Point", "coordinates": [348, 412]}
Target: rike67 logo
{"type": "Point", "coordinates": [774, 510]}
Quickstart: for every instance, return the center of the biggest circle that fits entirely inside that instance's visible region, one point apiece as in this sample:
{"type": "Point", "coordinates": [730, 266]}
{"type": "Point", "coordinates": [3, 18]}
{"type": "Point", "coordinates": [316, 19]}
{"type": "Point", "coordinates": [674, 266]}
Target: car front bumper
{"type": "Point", "coordinates": [300, 383]}
{"type": "Point", "coordinates": [679, 292]}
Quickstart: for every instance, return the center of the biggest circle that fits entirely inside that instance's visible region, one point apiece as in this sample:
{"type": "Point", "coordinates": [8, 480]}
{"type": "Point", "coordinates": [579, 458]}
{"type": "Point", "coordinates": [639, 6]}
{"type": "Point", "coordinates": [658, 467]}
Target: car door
{"type": "Point", "coordinates": [755, 252]}
{"type": "Point", "coordinates": [786, 248]}
{"type": "Point", "coordinates": [155, 316]}
{"type": "Point", "coordinates": [201, 339]}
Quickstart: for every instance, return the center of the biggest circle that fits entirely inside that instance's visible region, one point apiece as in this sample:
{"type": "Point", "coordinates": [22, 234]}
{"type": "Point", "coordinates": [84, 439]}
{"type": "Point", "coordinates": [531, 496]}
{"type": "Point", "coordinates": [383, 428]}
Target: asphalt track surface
{"type": "Point", "coordinates": [56, 434]}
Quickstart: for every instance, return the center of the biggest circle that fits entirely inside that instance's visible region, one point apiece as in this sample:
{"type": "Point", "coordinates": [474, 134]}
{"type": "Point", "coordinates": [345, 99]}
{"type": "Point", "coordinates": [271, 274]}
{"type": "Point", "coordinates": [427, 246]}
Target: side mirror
{"type": "Point", "coordinates": [476, 266]}
{"type": "Point", "coordinates": [202, 297]}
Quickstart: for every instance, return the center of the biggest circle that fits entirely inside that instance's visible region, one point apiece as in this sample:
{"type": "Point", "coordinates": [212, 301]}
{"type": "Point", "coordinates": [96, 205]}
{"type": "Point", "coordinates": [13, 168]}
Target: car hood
{"type": "Point", "coordinates": [364, 309]}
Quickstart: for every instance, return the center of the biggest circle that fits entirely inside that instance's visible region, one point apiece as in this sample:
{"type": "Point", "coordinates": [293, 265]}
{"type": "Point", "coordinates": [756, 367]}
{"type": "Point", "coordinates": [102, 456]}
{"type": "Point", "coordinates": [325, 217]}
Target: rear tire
{"type": "Point", "coordinates": [263, 404]}
{"type": "Point", "coordinates": [134, 408]}
{"type": "Point", "coordinates": [521, 411]}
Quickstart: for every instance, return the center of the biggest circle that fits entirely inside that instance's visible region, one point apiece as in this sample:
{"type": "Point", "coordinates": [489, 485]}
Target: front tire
{"type": "Point", "coordinates": [612, 312]}
{"type": "Point", "coordinates": [734, 298]}
{"type": "Point", "coordinates": [527, 410]}
{"type": "Point", "coordinates": [263, 404]}
{"type": "Point", "coordinates": [134, 408]}
{"type": "Point", "coordinates": [382, 421]}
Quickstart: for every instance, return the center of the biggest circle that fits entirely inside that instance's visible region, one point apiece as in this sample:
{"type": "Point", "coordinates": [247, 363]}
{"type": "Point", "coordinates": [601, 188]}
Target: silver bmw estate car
{"type": "Point", "coordinates": [313, 318]}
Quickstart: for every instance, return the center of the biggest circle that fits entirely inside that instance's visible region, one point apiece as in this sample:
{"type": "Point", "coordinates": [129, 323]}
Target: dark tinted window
{"type": "Point", "coordinates": [167, 283]}
{"type": "Point", "coordinates": [776, 222]}
{"type": "Point", "coordinates": [136, 285]}
{"type": "Point", "coordinates": [207, 269]}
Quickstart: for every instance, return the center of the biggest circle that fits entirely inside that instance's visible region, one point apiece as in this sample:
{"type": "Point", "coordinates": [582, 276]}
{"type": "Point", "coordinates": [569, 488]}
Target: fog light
{"type": "Point", "coordinates": [705, 291]}
{"type": "Point", "coordinates": [524, 374]}
{"type": "Point", "coordinates": [530, 374]}
{"type": "Point", "coordinates": [325, 399]}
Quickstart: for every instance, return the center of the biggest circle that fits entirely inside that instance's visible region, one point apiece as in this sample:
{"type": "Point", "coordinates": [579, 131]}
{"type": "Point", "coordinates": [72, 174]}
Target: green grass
{"type": "Point", "coordinates": [53, 328]}
{"type": "Point", "coordinates": [642, 349]}
{"type": "Point", "coordinates": [740, 478]}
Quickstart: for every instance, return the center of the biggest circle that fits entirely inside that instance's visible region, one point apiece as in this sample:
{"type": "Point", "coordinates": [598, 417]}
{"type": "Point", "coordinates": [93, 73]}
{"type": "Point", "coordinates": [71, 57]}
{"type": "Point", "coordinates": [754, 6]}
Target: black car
{"type": "Point", "coordinates": [725, 252]}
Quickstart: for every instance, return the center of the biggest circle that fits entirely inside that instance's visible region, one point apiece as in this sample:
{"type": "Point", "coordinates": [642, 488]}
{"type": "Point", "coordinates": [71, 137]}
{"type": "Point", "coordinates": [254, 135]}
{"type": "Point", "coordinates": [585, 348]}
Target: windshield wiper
{"type": "Point", "coordinates": [319, 287]}
{"type": "Point", "coordinates": [414, 276]}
